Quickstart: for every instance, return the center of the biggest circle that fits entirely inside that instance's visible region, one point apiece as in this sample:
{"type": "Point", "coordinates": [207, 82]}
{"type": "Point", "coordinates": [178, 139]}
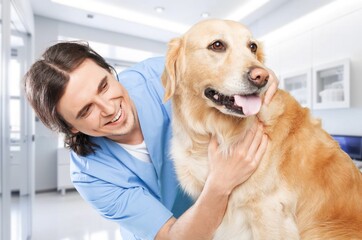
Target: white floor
{"type": "Point", "coordinates": [68, 217]}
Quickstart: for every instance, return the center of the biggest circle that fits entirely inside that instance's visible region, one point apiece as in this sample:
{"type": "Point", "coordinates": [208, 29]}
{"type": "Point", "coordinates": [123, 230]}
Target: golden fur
{"type": "Point", "coordinates": [305, 187]}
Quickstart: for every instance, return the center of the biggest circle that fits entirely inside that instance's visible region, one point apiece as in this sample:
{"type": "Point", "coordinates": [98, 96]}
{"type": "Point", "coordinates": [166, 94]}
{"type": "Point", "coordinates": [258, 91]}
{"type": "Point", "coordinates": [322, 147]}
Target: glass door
{"type": "Point", "coordinates": [2, 216]}
{"type": "Point", "coordinates": [16, 177]}
{"type": "Point", "coordinates": [20, 156]}
{"type": "Point", "coordinates": [4, 120]}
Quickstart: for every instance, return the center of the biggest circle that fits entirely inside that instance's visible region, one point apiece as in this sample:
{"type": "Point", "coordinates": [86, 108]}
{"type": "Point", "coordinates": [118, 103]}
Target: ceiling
{"type": "Point", "coordinates": [139, 18]}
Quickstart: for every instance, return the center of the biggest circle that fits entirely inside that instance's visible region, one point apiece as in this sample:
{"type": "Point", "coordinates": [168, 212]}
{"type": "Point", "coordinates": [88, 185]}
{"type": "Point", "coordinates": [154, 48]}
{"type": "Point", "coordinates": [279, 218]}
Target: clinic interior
{"type": "Point", "coordinates": [313, 46]}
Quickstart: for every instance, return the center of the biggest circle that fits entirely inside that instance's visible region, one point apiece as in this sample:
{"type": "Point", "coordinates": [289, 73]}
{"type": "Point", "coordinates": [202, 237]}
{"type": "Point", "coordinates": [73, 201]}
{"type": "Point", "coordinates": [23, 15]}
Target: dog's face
{"type": "Point", "coordinates": [220, 62]}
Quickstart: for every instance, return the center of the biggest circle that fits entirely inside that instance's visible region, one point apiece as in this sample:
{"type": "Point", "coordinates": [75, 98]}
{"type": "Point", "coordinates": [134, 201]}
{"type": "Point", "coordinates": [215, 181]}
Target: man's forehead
{"type": "Point", "coordinates": [82, 86]}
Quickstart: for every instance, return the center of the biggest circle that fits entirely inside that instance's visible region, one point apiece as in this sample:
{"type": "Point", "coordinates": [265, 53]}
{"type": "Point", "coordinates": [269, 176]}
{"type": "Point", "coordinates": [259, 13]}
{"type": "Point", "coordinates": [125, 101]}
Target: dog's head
{"type": "Point", "coordinates": [219, 61]}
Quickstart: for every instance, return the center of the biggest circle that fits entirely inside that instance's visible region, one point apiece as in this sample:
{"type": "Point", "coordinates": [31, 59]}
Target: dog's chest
{"type": "Point", "coordinates": [259, 217]}
{"type": "Point", "coordinates": [260, 208]}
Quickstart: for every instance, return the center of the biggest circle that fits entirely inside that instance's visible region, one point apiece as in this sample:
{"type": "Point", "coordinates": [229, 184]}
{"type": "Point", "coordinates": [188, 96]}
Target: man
{"type": "Point", "coordinates": [119, 132]}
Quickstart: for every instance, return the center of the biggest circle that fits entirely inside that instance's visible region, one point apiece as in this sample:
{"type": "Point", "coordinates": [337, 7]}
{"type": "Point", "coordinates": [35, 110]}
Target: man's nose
{"type": "Point", "coordinates": [106, 106]}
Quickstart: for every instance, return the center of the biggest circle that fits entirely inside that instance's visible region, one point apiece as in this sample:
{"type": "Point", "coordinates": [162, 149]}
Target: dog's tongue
{"type": "Point", "coordinates": [250, 104]}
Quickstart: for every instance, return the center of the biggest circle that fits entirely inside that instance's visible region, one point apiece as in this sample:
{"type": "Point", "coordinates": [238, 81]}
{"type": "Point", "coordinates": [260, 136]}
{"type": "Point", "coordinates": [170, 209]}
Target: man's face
{"type": "Point", "coordinates": [96, 104]}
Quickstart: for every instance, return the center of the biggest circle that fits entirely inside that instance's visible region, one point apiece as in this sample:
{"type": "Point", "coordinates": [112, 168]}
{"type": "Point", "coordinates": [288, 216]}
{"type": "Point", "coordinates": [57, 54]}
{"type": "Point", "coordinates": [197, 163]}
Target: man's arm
{"type": "Point", "coordinates": [201, 220]}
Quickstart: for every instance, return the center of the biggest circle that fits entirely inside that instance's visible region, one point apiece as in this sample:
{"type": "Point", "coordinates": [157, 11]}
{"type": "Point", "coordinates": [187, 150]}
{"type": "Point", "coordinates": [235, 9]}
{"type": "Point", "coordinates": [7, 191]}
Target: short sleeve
{"type": "Point", "coordinates": [135, 209]}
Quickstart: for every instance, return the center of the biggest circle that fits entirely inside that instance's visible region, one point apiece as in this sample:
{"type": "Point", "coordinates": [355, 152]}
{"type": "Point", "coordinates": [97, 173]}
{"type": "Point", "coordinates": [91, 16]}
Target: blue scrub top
{"type": "Point", "coordinates": [140, 196]}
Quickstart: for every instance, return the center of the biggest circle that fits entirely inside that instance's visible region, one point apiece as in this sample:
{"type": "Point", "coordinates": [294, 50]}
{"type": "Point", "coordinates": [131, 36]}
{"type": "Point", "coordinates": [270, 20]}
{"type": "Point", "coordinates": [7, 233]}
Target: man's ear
{"type": "Point", "coordinates": [74, 130]}
{"type": "Point", "coordinates": [169, 75]}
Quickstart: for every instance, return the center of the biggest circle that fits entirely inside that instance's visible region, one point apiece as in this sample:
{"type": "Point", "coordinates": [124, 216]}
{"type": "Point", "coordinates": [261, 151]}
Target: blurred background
{"type": "Point", "coordinates": [313, 46]}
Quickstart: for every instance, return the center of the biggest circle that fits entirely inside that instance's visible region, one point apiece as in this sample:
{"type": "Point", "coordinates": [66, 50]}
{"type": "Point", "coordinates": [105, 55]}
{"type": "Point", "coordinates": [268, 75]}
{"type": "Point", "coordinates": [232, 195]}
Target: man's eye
{"type": "Point", "coordinates": [217, 46]}
{"type": "Point", "coordinates": [86, 112]}
{"type": "Point", "coordinates": [104, 86]}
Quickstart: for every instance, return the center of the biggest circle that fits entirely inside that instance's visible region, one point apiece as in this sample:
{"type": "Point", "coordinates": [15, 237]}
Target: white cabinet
{"type": "Point", "coordinates": [331, 85]}
{"type": "Point", "coordinates": [324, 86]}
{"type": "Point", "coordinates": [63, 170]}
{"type": "Point", "coordinates": [298, 84]}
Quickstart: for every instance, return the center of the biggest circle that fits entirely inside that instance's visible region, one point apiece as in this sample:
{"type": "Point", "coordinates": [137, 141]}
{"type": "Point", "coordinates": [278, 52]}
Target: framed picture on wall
{"type": "Point", "coordinates": [331, 85]}
{"type": "Point", "coordinates": [298, 84]}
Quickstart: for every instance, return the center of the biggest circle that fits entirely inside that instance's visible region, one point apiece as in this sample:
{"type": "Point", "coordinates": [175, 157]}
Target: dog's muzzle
{"type": "Point", "coordinates": [240, 104]}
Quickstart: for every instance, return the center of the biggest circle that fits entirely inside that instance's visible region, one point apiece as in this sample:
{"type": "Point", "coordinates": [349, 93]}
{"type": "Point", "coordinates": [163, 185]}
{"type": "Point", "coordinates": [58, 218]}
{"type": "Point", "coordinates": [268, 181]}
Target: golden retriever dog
{"type": "Point", "coordinates": [305, 187]}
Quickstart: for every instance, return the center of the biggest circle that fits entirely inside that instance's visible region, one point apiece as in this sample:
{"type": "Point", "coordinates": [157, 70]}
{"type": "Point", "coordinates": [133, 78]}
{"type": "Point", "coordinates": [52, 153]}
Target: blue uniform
{"type": "Point", "coordinates": [140, 196]}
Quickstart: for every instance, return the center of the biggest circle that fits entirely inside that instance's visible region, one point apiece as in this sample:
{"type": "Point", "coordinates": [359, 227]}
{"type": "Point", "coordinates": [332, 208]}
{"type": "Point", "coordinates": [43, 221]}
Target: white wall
{"type": "Point", "coordinates": [285, 13]}
{"type": "Point", "coordinates": [339, 37]}
{"type": "Point", "coordinates": [46, 34]}
{"type": "Point", "coordinates": [25, 13]}
{"type": "Point", "coordinates": [47, 31]}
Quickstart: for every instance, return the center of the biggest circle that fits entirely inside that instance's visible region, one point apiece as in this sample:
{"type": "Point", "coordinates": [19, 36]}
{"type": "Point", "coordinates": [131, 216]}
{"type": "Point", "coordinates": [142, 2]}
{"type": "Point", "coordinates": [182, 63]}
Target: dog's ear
{"type": "Point", "coordinates": [260, 52]}
{"type": "Point", "coordinates": [169, 75]}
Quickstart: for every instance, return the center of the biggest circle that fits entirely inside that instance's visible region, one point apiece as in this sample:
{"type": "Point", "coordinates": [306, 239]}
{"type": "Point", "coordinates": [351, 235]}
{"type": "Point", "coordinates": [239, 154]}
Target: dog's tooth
{"type": "Point", "coordinates": [216, 97]}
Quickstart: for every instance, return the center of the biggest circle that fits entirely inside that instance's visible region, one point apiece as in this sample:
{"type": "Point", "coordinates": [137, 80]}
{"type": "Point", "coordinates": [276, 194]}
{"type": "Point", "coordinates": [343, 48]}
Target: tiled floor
{"type": "Point", "coordinates": [68, 217]}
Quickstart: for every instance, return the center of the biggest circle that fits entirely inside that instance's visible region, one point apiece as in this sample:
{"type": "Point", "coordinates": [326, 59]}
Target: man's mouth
{"type": "Point", "coordinates": [240, 104]}
{"type": "Point", "coordinates": [117, 116]}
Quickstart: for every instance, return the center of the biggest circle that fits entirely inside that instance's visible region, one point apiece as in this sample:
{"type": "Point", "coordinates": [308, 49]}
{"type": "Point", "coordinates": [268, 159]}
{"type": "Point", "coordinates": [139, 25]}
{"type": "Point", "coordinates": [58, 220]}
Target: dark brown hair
{"type": "Point", "coordinates": [45, 83]}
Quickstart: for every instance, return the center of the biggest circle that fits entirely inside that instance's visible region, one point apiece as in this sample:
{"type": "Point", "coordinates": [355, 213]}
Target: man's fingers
{"type": "Point", "coordinates": [270, 93]}
{"type": "Point", "coordinates": [249, 137]}
{"type": "Point", "coordinates": [257, 140]}
{"type": "Point", "coordinates": [213, 144]}
{"type": "Point", "coordinates": [272, 88]}
{"type": "Point", "coordinates": [262, 148]}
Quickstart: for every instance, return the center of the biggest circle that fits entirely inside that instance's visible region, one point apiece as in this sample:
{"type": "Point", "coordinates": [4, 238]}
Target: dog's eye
{"type": "Point", "coordinates": [253, 47]}
{"type": "Point", "coordinates": [217, 46]}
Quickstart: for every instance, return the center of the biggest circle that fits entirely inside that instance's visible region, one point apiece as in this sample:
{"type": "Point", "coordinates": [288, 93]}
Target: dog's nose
{"type": "Point", "coordinates": [258, 76]}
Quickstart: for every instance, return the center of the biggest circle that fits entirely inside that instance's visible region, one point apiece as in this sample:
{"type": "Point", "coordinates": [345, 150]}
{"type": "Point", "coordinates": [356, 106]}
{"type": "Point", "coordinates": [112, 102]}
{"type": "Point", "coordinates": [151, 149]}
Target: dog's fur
{"type": "Point", "coordinates": [305, 187]}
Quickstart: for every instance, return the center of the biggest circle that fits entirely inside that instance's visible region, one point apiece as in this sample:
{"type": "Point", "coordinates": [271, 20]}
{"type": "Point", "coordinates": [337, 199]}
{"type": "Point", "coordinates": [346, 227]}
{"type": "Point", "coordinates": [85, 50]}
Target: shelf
{"type": "Point", "coordinates": [331, 88]}
{"type": "Point", "coordinates": [298, 84]}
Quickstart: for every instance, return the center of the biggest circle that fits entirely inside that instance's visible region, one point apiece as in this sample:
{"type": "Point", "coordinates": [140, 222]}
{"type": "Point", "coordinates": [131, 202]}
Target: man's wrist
{"type": "Point", "coordinates": [217, 187]}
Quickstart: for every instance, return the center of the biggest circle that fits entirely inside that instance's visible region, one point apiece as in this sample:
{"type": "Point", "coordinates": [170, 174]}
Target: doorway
{"type": "Point", "coordinates": [16, 178]}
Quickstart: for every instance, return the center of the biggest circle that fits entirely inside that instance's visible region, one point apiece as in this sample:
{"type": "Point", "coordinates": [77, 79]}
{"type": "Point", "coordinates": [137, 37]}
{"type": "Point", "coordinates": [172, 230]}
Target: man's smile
{"type": "Point", "coordinates": [117, 116]}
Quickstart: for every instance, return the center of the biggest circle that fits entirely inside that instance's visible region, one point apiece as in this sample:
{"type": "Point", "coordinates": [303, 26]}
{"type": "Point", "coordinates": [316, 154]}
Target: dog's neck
{"type": "Point", "coordinates": [200, 125]}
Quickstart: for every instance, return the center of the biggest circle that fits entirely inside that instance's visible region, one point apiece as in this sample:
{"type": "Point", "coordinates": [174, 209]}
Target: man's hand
{"type": "Point", "coordinates": [273, 87]}
{"type": "Point", "coordinates": [232, 169]}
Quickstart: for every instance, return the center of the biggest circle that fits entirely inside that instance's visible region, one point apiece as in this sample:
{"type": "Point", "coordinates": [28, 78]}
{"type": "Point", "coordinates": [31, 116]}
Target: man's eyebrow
{"type": "Point", "coordinates": [99, 90]}
{"type": "Point", "coordinates": [101, 84]}
{"type": "Point", "coordinates": [82, 111]}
